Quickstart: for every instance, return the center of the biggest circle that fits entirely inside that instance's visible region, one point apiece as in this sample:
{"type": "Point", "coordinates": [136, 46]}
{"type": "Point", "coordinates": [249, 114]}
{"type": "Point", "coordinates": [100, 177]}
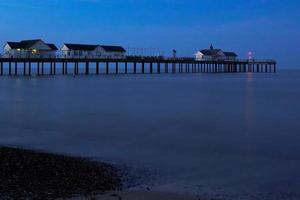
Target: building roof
{"type": "Point", "coordinates": [26, 44]}
{"type": "Point", "coordinates": [86, 47]}
{"type": "Point", "coordinates": [214, 52]}
{"type": "Point", "coordinates": [113, 48]}
{"type": "Point", "coordinates": [230, 54]}
{"type": "Point", "coordinates": [29, 43]}
{"type": "Point", "coordinates": [210, 52]}
{"type": "Point", "coordinates": [53, 47]}
{"type": "Point", "coordinates": [15, 45]}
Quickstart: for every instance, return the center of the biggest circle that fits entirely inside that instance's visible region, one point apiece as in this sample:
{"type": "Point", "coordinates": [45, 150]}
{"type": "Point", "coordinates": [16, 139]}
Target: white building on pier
{"type": "Point", "coordinates": [29, 49]}
{"type": "Point", "coordinates": [92, 51]}
{"type": "Point", "coordinates": [212, 54]}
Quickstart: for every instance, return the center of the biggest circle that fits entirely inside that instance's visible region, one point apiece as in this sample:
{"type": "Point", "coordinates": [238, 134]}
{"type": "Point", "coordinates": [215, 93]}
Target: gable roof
{"type": "Point", "coordinates": [86, 47]}
{"type": "Point", "coordinates": [29, 43]}
{"type": "Point", "coordinates": [230, 54]}
{"type": "Point", "coordinates": [210, 52]}
{"type": "Point", "coordinates": [15, 45]}
{"type": "Point", "coordinates": [26, 44]}
{"type": "Point", "coordinates": [53, 47]}
{"type": "Point", "coordinates": [113, 48]}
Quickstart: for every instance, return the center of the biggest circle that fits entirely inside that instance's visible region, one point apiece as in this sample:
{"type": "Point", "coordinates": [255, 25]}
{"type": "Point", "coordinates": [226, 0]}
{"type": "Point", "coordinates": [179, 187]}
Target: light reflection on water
{"type": "Point", "coordinates": [249, 103]}
{"type": "Point", "coordinates": [228, 134]}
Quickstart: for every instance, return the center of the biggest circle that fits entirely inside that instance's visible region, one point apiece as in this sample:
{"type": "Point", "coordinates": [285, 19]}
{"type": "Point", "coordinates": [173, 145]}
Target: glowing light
{"type": "Point", "coordinates": [250, 55]}
{"type": "Point", "coordinates": [18, 49]}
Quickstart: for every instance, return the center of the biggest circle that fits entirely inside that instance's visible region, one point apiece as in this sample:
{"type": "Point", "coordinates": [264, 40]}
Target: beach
{"type": "Point", "coordinates": [28, 174]}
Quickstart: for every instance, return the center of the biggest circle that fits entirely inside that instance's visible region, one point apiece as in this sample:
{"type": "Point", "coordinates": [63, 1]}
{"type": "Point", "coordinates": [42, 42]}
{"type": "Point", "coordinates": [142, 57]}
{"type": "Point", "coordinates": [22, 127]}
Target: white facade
{"type": "Point", "coordinates": [111, 54]}
{"type": "Point", "coordinates": [199, 56]}
{"type": "Point", "coordinates": [212, 54]}
{"type": "Point", "coordinates": [70, 53]}
{"type": "Point", "coordinates": [38, 49]}
{"type": "Point", "coordinates": [97, 52]}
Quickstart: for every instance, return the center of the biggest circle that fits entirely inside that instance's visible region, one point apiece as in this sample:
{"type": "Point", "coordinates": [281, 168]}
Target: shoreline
{"type": "Point", "coordinates": [139, 195]}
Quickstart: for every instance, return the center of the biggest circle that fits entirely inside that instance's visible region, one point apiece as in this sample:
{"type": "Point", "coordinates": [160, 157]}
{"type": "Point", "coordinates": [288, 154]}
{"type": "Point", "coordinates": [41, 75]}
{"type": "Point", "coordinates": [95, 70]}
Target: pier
{"type": "Point", "coordinates": [130, 65]}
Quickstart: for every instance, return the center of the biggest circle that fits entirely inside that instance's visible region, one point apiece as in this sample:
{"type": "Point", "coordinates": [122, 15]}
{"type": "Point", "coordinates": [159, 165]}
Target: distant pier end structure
{"type": "Point", "coordinates": [212, 54]}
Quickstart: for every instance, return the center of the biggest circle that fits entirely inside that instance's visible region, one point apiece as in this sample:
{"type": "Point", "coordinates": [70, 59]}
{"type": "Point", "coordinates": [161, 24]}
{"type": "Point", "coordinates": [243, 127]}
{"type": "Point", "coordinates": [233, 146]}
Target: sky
{"type": "Point", "coordinates": [268, 28]}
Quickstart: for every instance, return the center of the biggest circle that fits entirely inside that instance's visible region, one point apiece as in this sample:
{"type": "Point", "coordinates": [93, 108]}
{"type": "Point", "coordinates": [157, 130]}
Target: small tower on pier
{"type": "Point", "coordinates": [174, 53]}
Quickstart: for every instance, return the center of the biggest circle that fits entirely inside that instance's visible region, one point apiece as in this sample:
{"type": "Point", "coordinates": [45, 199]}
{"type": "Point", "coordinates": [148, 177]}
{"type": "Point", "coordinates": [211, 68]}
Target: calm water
{"type": "Point", "coordinates": [234, 136]}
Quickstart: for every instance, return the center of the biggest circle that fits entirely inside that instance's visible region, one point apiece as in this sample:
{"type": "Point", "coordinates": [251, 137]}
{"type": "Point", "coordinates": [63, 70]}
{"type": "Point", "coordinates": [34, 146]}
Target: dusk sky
{"type": "Point", "coordinates": [268, 28]}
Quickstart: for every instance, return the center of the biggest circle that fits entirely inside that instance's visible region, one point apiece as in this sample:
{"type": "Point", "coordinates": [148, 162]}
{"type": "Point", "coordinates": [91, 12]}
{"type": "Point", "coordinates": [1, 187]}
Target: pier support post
{"type": "Point", "coordinates": [274, 68]}
{"type": "Point", "coordinates": [151, 68]}
{"type": "Point", "coordinates": [63, 68]}
{"type": "Point", "coordinates": [42, 68]}
{"type": "Point", "coordinates": [54, 67]}
{"type": "Point", "coordinates": [75, 69]}
{"type": "Point", "coordinates": [266, 68]}
{"type": "Point", "coordinates": [107, 67]}
{"type": "Point", "coordinates": [117, 67]}
{"type": "Point", "coordinates": [166, 67]}
{"type": "Point", "coordinates": [134, 67]}
{"type": "Point", "coordinates": [173, 67]}
{"type": "Point", "coordinates": [24, 70]}
{"type": "Point", "coordinates": [1, 68]}
{"type": "Point", "coordinates": [51, 68]}
{"type": "Point", "coordinates": [87, 68]}
{"type": "Point", "coordinates": [9, 68]}
{"type": "Point", "coordinates": [126, 67]}
{"type": "Point", "coordinates": [158, 67]}
{"type": "Point", "coordinates": [16, 68]}
{"type": "Point", "coordinates": [29, 68]}
{"type": "Point", "coordinates": [66, 68]}
{"type": "Point", "coordinates": [97, 68]}
{"type": "Point", "coordinates": [143, 67]}
{"type": "Point", "coordinates": [38, 68]}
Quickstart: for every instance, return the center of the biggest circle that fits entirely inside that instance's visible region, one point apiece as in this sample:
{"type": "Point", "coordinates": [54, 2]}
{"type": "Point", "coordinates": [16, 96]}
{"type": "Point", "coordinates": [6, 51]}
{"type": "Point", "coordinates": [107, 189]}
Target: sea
{"type": "Point", "coordinates": [215, 135]}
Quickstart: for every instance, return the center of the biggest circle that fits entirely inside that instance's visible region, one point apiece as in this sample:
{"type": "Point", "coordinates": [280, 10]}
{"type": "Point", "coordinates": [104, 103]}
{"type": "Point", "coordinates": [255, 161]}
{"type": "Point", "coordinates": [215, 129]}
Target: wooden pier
{"type": "Point", "coordinates": [77, 66]}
